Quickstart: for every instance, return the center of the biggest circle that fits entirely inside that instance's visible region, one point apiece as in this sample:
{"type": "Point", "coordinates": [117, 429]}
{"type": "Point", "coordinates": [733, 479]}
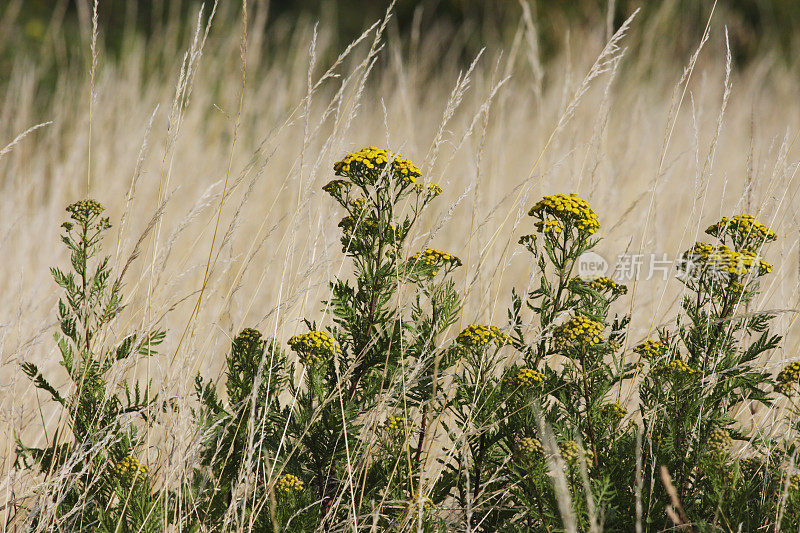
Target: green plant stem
{"type": "Point", "coordinates": [590, 424]}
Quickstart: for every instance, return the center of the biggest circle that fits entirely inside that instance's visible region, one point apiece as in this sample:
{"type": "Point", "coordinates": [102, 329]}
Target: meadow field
{"type": "Point", "coordinates": [209, 149]}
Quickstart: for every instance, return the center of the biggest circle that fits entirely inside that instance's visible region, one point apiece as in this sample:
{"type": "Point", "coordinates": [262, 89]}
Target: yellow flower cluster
{"type": "Point", "coordinates": [349, 224]}
{"type": "Point", "coordinates": [750, 259]}
{"type": "Point", "coordinates": [527, 377]}
{"type": "Point", "coordinates": [651, 350]}
{"type": "Point", "coordinates": [398, 425]}
{"type": "Point", "coordinates": [84, 210]}
{"type": "Point", "coordinates": [551, 227]}
{"type": "Point", "coordinates": [528, 240]}
{"type": "Point", "coordinates": [289, 483]}
{"type": "Point", "coordinates": [676, 368]}
{"type": "Point", "coordinates": [613, 412]}
{"type": "Point", "coordinates": [130, 468]}
{"type": "Point", "coordinates": [477, 336]}
{"type": "Point", "coordinates": [528, 446]}
{"type": "Point", "coordinates": [719, 441]}
{"type": "Point", "coordinates": [570, 210]}
{"type": "Point", "coordinates": [367, 164]}
{"type": "Point", "coordinates": [571, 452]}
{"type": "Point", "coordinates": [794, 482]}
{"type": "Point", "coordinates": [750, 466]}
{"type": "Point", "coordinates": [745, 230]}
{"type": "Point", "coordinates": [788, 378]}
{"type": "Point", "coordinates": [417, 502]}
{"type": "Point", "coordinates": [720, 261]}
{"type": "Point", "coordinates": [579, 330]}
{"type": "Point", "coordinates": [433, 190]}
{"type": "Point", "coordinates": [435, 260]}
{"type": "Point", "coordinates": [248, 340]}
{"type": "Point", "coordinates": [357, 205]}
{"type": "Point", "coordinates": [314, 346]}
{"type": "Point", "coordinates": [338, 188]}
{"type": "Point", "coordinates": [601, 285]}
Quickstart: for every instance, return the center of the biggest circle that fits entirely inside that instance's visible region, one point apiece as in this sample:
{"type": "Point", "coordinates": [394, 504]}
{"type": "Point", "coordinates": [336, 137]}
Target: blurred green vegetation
{"type": "Point", "coordinates": [30, 28]}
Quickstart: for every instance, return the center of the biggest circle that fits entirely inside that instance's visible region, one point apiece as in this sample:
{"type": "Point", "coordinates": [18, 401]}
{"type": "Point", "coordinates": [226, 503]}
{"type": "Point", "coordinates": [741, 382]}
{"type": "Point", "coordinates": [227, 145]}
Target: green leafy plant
{"type": "Point", "coordinates": [541, 410]}
{"type": "Point", "coordinates": [536, 434]}
{"type": "Point", "coordinates": [96, 480]}
{"type": "Point", "coordinates": [323, 455]}
{"type": "Point", "coordinates": [241, 441]}
{"type": "Point", "coordinates": [700, 372]}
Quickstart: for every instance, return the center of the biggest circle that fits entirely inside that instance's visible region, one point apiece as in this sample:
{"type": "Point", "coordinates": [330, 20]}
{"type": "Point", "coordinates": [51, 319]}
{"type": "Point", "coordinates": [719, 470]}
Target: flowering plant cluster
{"type": "Point", "coordinates": [386, 416]}
{"type": "Point", "coordinates": [107, 484]}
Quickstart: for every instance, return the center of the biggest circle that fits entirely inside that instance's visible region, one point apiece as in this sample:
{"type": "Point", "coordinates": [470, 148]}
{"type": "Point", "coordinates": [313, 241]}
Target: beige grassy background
{"type": "Point", "coordinates": [659, 144]}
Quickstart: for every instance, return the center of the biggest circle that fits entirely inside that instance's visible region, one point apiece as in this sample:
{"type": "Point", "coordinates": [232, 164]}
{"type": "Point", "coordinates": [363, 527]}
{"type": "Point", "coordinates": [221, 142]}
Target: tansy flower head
{"type": "Point", "coordinates": [360, 225]}
{"type": "Point", "coordinates": [367, 165]}
{"type": "Point", "coordinates": [745, 232]}
{"type": "Point", "coordinates": [578, 331]}
{"type": "Point", "coordinates": [788, 378]}
{"type": "Point", "coordinates": [529, 242]}
{"type": "Point", "coordinates": [794, 482]}
{"type": "Point", "coordinates": [751, 262]}
{"type": "Point", "coordinates": [750, 467]}
{"type": "Point", "coordinates": [84, 211]}
{"type": "Point", "coordinates": [526, 377]}
{"type": "Point", "coordinates": [529, 447]}
{"type": "Point", "coordinates": [430, 192]}
{"type": "Point", "coordinates": [433, 260]}
{"type": "Point", "coordinates": [314, 347]}
{"type": "Point", "coordinates": [613, 412]}
{"type": "Point", "coordinates": [676, 368]}
{"type": "Point", "coordinates": [248, 340]}
{"type": "Point", "coordinates": [339, 189]}
{"type": "Point", "coordinates": [357, 205]}
{"type": "Point", "coordinates": [398, 426]}
{"type": "Point", "coordinates": [719, 441]}
{"type": "Point", "coordinates": [651, 350]}
{"type": "Point", "coordinates": [567, 211]}
{"type": "Point", "coordinates": [478, 336]}
{"type": "Point", "coordinates": [129, 469]}
{"type": "Point", "coordinates": [289, 484]}
{"type": "Point", "coordinates": [550, 227]}
{"type": "Point", "coordinates": [720, 262]}
{"type": "Point", "coordinates": [602, 285]}
{"type": "Point", "coordinates": [571, 452]}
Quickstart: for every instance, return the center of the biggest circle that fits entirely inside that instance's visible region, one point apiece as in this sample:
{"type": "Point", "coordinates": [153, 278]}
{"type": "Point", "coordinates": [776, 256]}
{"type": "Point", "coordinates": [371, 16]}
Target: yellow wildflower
{"type": "Point", "coordinates": [567, 211]}
{"type": "Point", "coordinates": [744, 230]}
{"type": "Point", "coordinates": [719, 441]}
{"type": "Point", "coordinates": [530, 447]}
{"type": "Point", "coordinates": [129, 469]}
{"type": "Point", "coordinates": [578, 331]}
{"type": "Point", "coordinates": [477, 336]}
{"type": "Point", "coordinates": [433, 260]}
{"type": "Point", "coordinates": [788, 378]}
{"type": "Point", "coordinates": [314, 346]}
{"type": "Point", "coordinates": [526, 377]}
{"type": "Point", "coordinates": [365, 166]}
{"type": "Point", "coordinates": [651, 350]}
{"type": "Point", "coordinates": [288, 484]}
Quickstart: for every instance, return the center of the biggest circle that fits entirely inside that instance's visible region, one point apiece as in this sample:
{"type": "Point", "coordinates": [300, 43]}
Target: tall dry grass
{"type": "Point", "coordinates": [211, 165]}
